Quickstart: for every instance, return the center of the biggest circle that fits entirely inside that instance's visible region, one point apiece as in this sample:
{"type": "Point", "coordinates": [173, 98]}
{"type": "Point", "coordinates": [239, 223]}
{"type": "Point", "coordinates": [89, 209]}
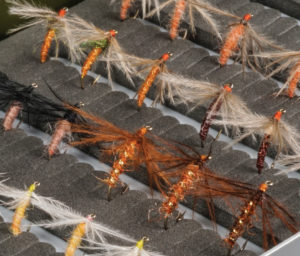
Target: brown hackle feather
{"type": "Point", "coordinates": [147, 150]}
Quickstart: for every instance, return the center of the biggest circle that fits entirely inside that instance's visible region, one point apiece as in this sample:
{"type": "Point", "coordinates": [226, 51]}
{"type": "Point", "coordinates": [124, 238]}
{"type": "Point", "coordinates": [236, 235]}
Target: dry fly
{"type": "Point", "coordinates": [146, 6]}
{"type": "Point", "coordinates": [81, 36]}
{"type": "Point", "coordinates": [281, 61]}
{"type": "Point", "coordinates": [258, 198]}
{"type": "Point", "coordinates": [21, 206]}
{"type": "Point", "coordinates": [156, 70]}
{"type": "Point", "coordinates": [222, 102]}
{"type": "Point", "coordinates": [119, 250]}
{"type": "Point", "coordinates": [61, 215]}
{"type": "Point", "coordinates": [53, 21]}
{"type": "Point", "coordinates": [130, 149]}
{"type": "Point", "coordinates": [274, 131]}
{"type": "Point", "coordinates": [243, 40]}
{"type": "Point", "coordinates": [200, 7]}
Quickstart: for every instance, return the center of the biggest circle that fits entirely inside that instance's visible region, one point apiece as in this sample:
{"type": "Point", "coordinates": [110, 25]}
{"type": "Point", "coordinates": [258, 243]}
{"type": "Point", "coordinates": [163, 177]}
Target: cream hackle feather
{"type": "Point", "coordinates": [118, 250]}
{"type": "Point", "coordinates": [251, 45]}
{"type": "Point", "coordinates": [79, 33]}
{"type": "Point", "coordinates": [201, 93]}
{"type": "Point", "coordinates": [284, 137]}
{"type": "Point", "coordinates": [279, 61]}
{"type": "Point", "coordinates": [291, 163]}
{"type": "Point", "coordinates": [202, 8]}
{"type": "Point", "coordinates": [37, 14]}
{"type": "Point", "coordinates": [62, 215]}
{"type": "Point", "coordinates": [164, 89]}
{"type": "Point", "coordinates": [146, 6]}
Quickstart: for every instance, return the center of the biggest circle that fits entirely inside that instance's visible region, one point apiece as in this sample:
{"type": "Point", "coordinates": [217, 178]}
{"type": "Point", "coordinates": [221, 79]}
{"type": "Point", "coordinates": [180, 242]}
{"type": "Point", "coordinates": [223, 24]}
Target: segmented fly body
{"type": "Point", "coordinates": [85, 42]}
{"type": "Point", "coordinates": [280, 61]}
{"type": "Point", "coordinates": [124, 8]}
{"type": "Point", "coordinates": [98, 48]}
{"type": "Point", "coordinates": [158, 67]}
{"type": "Point", "coordinates": [21, 209]}
{"type": "Point", "coordinates": [126, 153]}
{"type": "Point", "coordinates": [275, 132]}
{"type": "Point", "coordinates": [201, 7]}
{"type": "Point", "coordinates": [176, 18]}
{"type": "Point", "coordinates": [232, 40]}
{"type": "Point", "coordinates": [243, 41]}
{"type": "Point", "coordinates": [77, 235]}
{"type": "Point", "coordinates": [247, 212]}
{"type": "Point", "coordinates": [212, 111]}
{"type": "Point", "coordinates": [53, 21]}
{"type": "Point", "coordinates": [294, 77]}
{"type": "Point", "coordinates": [262, 152]}
{"type": "Point", "coordinates": [19, 98]}
{"type": "Point", "coordinates": [62, 129]}
{"type": "Point", "coordinates": [263, 149]}
{"type": "Point", "coordinates": [62, 125]}
{"type": "Point", "coordinates": [255, 199]}
{"type": "Point", "coordinates": [11, 115]}
{"type": "Point", "coordinates": [130, 149]}
{"type": "Point", "coordinates": [49, 37]}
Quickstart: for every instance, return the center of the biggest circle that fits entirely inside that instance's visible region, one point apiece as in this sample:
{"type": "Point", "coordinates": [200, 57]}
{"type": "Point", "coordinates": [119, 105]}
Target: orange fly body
{"type": "Point", "coordinates": [232, 40]}
{"type": "Point", "coordinates": [177, 191]}
{"type": "Point", "coordinates": [76, 237]}
{"type": "Point", "coordinates": [124, 8]}
{"type": "Point", "coordinates": [21, 209]}
{"type": "Point", "coordinates": [49, 37]}
{"type": "Point", "coordinates": [294, 80]}
{"type": "Point", "coordinates": [247, 212]}
{"type": "Point", "coordinates": [150, 78]}
{"type": "Point", "coordinates": [95, 52]}
{"type": "Point", "coordinates": [178, 13]}
{"type": "Point", "coordinates": [63, 127]}
{"type": "Point", "coordinates": [11, 115]}
{"type": "Point", "coordinates": [127, 154]}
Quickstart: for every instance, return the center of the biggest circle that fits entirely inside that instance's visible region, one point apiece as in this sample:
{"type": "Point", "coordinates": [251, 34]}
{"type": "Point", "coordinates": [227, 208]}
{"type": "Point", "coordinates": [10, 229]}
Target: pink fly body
{"type": "Point", "coordinates": [11, 115]}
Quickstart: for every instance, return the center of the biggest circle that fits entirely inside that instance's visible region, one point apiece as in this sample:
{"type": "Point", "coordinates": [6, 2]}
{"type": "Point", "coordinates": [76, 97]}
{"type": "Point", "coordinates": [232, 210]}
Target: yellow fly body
{"type": "Point", "coordinates": [21, 209]}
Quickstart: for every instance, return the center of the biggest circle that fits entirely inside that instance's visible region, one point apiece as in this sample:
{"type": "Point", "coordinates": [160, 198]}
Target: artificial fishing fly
{"type": "Point", "coordinates": [62, 125]}
{"type": "Point", "coordinates": [201, 7]}
{"type": "Point", "coordinates": [81, 36]}
{"type": "Point", "coordinates": [274, 131]}
{"type": "Point", "coordinates": [258, 198]}
{"type": "Point", "coordinates": [146, 5]}
{"type": "Point", "coordinates": [77, 235]}
{"type": "Point", "coordinates": [60, 215]}
{"type": "Point", "coordinates": [222, 102]}
{"type": "Point", "coordinates": [243, 40]}
{"type": "Point", "coordinates": [98, 48]}
{"type": "Point", "coordinates": [22, 200]}
{"type": "Point", "coordinates": [280, 61]}
{"type": "Point", "coordinates": [156, 67]}
{"type": "Point", "coordinates": [119, 250]}
{"type": "Point", "coordinates": [53, 21]}
{"type": "Point", "coordinates": [21, 209]}
{"type": "Point", "coordinates": [130, 149]}
{"type": "Point", "coordinates": [18, 98]}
